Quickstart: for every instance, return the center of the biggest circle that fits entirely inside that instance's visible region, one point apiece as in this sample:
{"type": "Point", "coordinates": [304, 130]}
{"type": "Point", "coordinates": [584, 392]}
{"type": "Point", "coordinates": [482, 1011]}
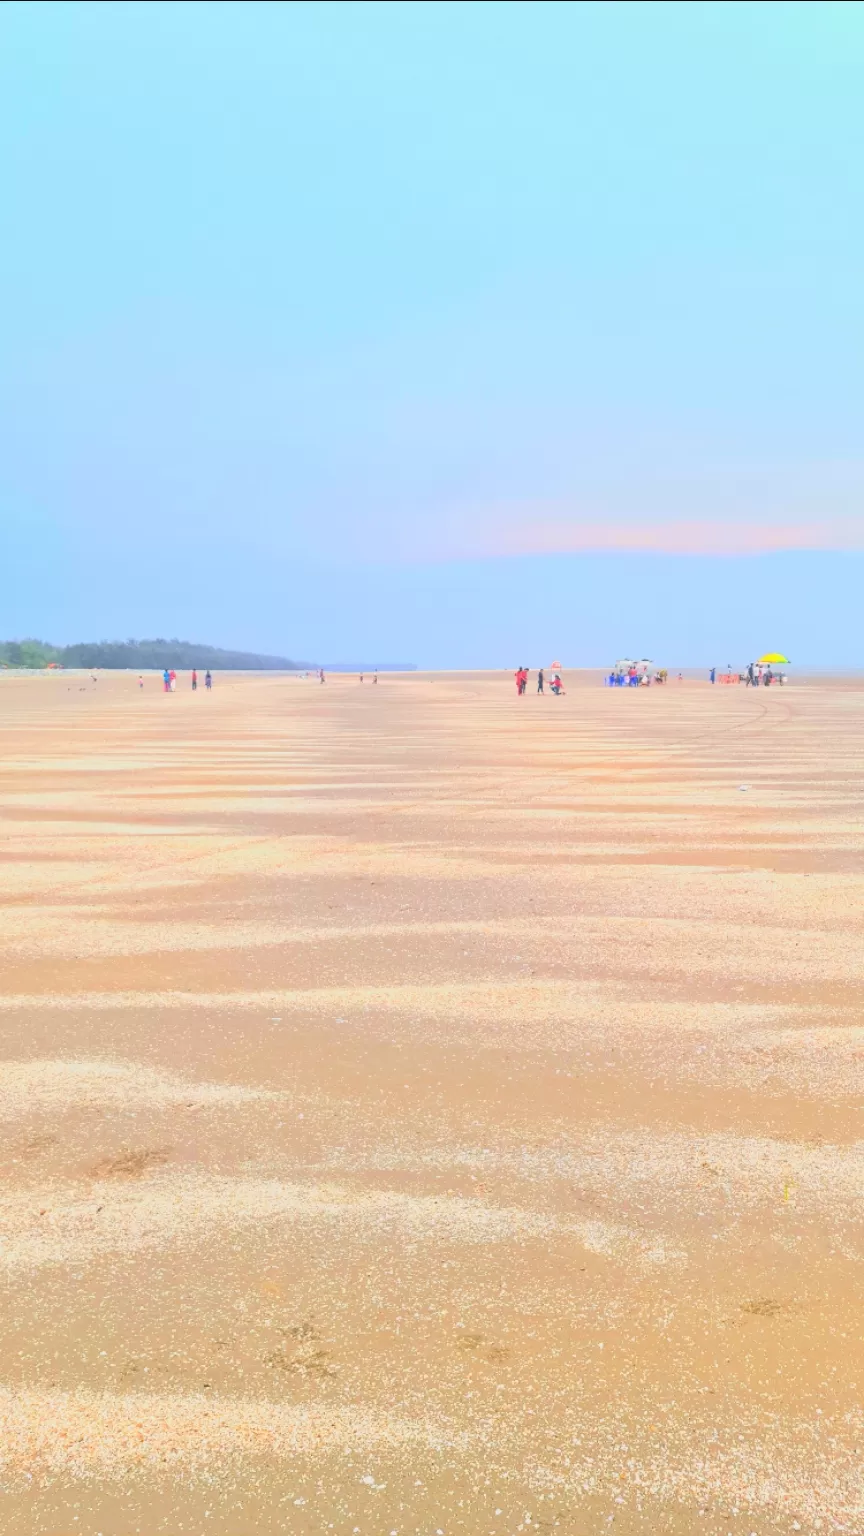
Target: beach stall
{"type": "Point", "coordinates": [627, 672]}
{"type": "Point", "coordinates": [770, 660]}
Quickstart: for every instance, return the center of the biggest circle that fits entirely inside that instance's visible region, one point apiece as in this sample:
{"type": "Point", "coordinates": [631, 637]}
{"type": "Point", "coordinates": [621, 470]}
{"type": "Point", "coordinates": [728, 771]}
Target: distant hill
{"type": "Point", "coordinates": [141, 654]}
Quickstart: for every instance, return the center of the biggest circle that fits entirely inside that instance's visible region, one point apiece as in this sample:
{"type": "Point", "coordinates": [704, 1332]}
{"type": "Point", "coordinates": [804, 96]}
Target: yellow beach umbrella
{"type": "Point", "coordinates": [773, 658]}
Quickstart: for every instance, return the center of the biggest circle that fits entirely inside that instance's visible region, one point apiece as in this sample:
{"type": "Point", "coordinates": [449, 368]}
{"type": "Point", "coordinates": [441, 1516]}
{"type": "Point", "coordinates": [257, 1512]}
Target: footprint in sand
{"type": "Point", "coordinates": [131, 1163]}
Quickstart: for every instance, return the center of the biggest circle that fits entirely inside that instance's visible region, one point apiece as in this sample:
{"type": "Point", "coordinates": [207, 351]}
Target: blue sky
{"type": "Point", "coordinates": [456, 333]}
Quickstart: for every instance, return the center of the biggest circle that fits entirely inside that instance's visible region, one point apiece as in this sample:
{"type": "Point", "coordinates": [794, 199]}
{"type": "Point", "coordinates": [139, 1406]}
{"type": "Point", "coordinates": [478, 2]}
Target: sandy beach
{"type": "Point", "coordinates": [429, 1111]}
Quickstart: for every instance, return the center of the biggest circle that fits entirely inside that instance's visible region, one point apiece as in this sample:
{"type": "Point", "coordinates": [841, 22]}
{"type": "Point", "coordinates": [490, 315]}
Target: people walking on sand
{"type": "Point", "coordinates": [375, 676]}
{"type": "Point", "coordinates": [361, 677]}
{"type": "Point", "coordinates": [540, 681]}
{"type": "Point", "coordinates": [208, 681]}
{"type": "Point", "coordinates": [518, 676]}
{"type": "Point", "coordinates": [172, 680]}
{"type": "Point", "coordinates": [166, 680]}
{"type": "Point", "coordinates": [194, 680]}
{"type": "Point", "coordinates": [320, 674]}
{"type": "Point", "coordinates": [713, 674]}
{"type": "Point", "coordinates": [140, 682]}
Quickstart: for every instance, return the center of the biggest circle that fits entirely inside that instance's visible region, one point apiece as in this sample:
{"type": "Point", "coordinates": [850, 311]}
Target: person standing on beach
{"type": "Point", "coordinates": [166, 680]}
{"type": "Point", "coordinates": [208, 681]}
{"type": "Point", "coordinates": [194, 680]}
{"type": "Point", "coordinates": [172, 680]}
{"type": "Point", "coordinates": [713, 674]}
{"type": "Point", "coordinates": [540, 681]}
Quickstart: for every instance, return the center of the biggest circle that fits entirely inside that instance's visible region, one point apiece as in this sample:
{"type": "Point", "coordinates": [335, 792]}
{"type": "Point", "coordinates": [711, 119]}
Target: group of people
{"type": "Point", "coordinates": [555, 684]}
{"type": "Point", "coordinates": [754, 677]}
{"type": "Point", "coordinates": [169, 680]}
{"type": "Point", "coordinates": [634, 677]}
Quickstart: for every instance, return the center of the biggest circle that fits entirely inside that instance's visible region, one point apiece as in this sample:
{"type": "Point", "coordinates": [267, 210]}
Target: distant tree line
{"type": "Point", "coordinates": [141, 655]}
{"type": "Point", "coordinates": [26, 653]}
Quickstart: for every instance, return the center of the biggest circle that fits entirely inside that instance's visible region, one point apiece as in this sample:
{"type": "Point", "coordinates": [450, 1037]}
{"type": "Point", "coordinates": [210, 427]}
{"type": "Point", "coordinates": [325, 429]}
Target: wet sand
{"type": "Point", "coordinates": [428, 1111]}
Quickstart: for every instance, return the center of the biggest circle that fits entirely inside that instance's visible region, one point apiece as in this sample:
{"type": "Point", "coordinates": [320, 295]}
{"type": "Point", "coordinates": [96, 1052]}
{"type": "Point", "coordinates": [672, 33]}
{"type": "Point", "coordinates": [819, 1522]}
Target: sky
{"type": "Point", "coordinates": [462, 334]}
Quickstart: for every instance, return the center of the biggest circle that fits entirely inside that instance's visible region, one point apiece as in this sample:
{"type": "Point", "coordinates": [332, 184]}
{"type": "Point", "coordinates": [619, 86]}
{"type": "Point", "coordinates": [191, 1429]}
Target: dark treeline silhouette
{"type": "Point", "coordinates": [141, 654]}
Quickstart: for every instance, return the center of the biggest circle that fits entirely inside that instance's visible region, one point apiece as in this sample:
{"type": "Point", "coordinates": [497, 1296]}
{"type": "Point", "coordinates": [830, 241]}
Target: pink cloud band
{"type": "Point", "coordinates": [547, 536]}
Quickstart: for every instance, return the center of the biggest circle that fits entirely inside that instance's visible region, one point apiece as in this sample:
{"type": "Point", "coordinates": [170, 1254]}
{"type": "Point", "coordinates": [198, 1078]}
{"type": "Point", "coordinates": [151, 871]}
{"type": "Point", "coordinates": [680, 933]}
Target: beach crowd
{"type": "Point", "coordinates": [169, 680]}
